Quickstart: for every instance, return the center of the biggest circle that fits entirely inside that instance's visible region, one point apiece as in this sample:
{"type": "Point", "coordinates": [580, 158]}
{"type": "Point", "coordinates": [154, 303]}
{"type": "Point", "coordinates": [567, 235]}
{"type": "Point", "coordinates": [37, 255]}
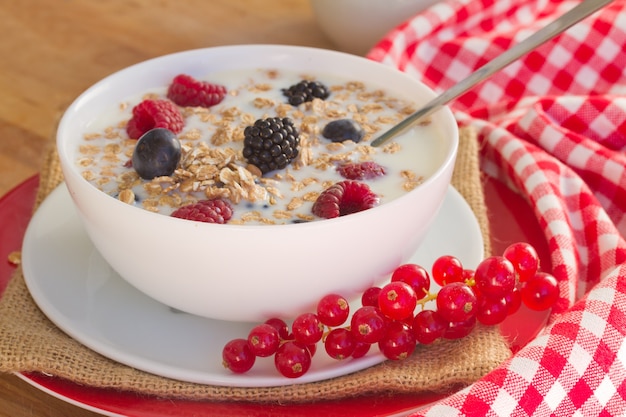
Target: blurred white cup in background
{"type": "Point", "coordinates": [355, 26]}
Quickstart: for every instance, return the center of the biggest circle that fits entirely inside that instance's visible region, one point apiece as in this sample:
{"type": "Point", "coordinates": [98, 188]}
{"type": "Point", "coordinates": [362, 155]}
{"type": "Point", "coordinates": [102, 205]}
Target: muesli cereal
{"type": "Point", "coordinates": [212, 163]}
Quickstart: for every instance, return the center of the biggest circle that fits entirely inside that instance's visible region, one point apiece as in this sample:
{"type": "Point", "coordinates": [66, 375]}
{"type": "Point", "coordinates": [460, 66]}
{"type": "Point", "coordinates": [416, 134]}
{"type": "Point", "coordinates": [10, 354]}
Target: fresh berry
{"type": "Point", "coordinates": [368, 324]}
{"type": "Point", "coordinates": [340, 343]}
{"type": "Point", "coordinates": [312, 349]}
{"type": "Point", "coordinates": [150, 114]}
{"type": "Point", "coordinates": [342, 130]}
{"type": "Point", "coordinates": [398, 342]}
{"type": "Point", "coordinates": [388, 318]}
{"type": "Point", "coordinates": [414, 275]}
{"type": "Point", "coordinates": [360, 349]}
{"type": "Point", "coordinates": [468, 274]}
{"type": "Point", "coordinates": [495, 276]}
{"type": "Point", "coordinates": [280, 325]}
{"type": "Point", "coordinates": [263, 340]}
{"type": "Point", "coordinates": [524, 258]}
{"type": "Point", "coordinates": [397, 300]}
{"type": "Point", "coordinates": [460, 329]}
{"type": "Point", "coordinates": [305, 91]}
{"type": "Point", "coordinates": [492, 311]}
{"type": "Point", "coordinates": [307, 329]}
{"type": "Point", "coordinates": [187, 91]}
{"type": "Point", "coordinates": [456, 302]}
{"type": "Point", "coordinates": [208, 211]}
{"type": "Point", "coordinates": [513, 301]}
{"type": "Point", "coordinates": [428, 326]}
{"type": "Point", "coordinates": [370, 296]}
{"type": "Point", "coordinates": [343, 198]}
{"type": "Point", "coordinates": [271, 143]}
{"type": "Point", "coordinates": [361, 170]}
{"type": "Point", "coordinates": [292, 359]}
{"type": "Point", "coordinates": [540, 292]}
{"type": "Point", "coordinates": [333, 310]}
{"type": "Point", "coordinates": [156, 154]}
{"type": "Point", "coordinates": [447, 269]}
{"type": "Point", "coordinates": [237, 356]}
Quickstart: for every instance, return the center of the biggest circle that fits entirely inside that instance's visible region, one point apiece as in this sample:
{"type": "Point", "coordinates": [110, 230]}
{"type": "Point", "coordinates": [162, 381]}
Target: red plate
{"type": "Point", "coordinates": [511, 220]}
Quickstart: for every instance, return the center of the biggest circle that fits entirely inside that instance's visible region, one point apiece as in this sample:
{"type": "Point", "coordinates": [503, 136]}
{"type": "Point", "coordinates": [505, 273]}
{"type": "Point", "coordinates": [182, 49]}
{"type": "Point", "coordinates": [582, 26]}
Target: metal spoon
{"type": "Point", "coordinates": [570, 18]}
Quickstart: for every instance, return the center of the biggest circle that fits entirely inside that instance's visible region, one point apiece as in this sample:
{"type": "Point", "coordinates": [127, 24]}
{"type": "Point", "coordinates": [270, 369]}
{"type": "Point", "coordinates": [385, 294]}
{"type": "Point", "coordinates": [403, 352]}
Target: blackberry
{"type": "Point", "coordinates": [271, 143]}
{"type": "Point", "coordinates": [304, 91]}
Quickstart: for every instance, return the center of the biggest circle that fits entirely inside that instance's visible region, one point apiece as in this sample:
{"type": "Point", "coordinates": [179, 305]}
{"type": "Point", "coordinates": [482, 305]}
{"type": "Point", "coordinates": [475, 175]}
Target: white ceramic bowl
{"type": "Point", "coordinates": [356, 25]}
{"type": "Point", "coordinates": [243, 272]}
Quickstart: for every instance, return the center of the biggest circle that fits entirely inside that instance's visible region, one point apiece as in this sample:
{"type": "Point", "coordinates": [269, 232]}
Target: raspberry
{"type": "Point", "coordinates": [187, 91]}
{"type": "Point", "coordinates": [208, 211]}
{"type": "Point", "coordinates": [150, 114]}
{"type": "Point", "coordinates": [361, 171]}
{"type": "Point", "coordinates": [271, 143]}
{"type": "Point", "coordinates": [304, 91]}
{"type": "Point", "coordinates": [344, 197]}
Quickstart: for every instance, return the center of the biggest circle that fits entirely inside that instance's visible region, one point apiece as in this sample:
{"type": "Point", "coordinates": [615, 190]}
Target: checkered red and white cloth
{"type": "Point", "coordinates": [553, 127]}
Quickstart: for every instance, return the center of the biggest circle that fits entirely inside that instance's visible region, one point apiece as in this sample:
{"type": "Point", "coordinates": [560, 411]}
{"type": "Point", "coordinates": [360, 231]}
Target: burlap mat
{"type": "Point", "coordinates": [29, 342]}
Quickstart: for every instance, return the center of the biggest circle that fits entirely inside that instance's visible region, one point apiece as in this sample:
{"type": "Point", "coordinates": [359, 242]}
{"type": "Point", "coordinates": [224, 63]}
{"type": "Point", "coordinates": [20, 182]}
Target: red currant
{"type": "Point", "coordinates": [263, 340]}
{"type": "Point", "coordinates": [468, 275]}
{"type": "Point", "coordinates": [307, 329]}
{"type": "Point", "coordinates": [491, 311]}
{"type": "Point", "coordinates": [428, 326]}
{"type": "Point", "coordinates": [292, 359]}
{"type": "Point", "coordinates": [237, 356]}
{"type": "Point", "coordinates": [333, 310]}
{"type": "Point", "coordinates": [398, 342]}
{"type": "Point", "coordinates": [456, 302]}
{"type": "Point", "coordinates": [487, 295]}
{"type": "Point", "coordinates": [370, 297]}
{"type": "Point", "coordinates": [360, 349]}
{"type": "Point", "coordinates": [447, 269]}
{"type": "Point", "coordinates": [540, 292]}
{"type": "Point", "coordinates": [312, 349]}
{"type": "Point", "coordinates": [524, 259]}
{"type": "Point", "coordinates": [368, 324]}
{"type": "Point", "coordinates": [460, 329]}
{"type": "Point", "coordinates": [513, 301]}
{"type": "Point", "coordinates": [476, 291]}
{"type": "Point", "coordinates": [340, 343]}
{"type": "Point", "coordinates": [495, 276]}
{"type": "Point", "coordinates": [414, 275]}
{"type": "Point", "coordinates": [281, 326]}
{"type": "Point", "coordinates": [397, 300]}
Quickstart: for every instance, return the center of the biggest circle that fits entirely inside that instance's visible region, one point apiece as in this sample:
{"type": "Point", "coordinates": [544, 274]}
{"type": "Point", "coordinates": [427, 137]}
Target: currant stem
{"type": "Point", "coordinates": [430, 296]}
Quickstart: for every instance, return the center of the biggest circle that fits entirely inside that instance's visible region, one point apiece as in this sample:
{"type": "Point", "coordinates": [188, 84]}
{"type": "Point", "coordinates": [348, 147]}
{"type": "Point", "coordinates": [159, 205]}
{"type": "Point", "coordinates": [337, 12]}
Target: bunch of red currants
{"type": "Point", "coordinates": [395, 318]}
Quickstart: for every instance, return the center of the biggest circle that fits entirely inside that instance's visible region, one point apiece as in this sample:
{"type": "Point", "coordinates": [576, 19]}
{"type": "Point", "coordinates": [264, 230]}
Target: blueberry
{"type": "Point", "coordinates": [156, 154]}
{"type": "Point", "coordinates": [342, 130]}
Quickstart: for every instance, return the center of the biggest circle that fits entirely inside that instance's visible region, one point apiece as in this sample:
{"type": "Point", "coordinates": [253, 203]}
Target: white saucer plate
{"type": "Point", "coordinates": [78, 291]}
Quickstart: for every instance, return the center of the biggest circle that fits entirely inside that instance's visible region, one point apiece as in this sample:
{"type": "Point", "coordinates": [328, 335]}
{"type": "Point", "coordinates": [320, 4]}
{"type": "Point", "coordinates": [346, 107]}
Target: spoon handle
{"type": "Point", "coordinates": [546, 33]}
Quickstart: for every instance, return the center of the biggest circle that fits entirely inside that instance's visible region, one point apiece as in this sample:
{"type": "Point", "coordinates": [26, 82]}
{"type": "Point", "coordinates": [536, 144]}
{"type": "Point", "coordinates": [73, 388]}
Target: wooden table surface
{"type": "Point", "coordinates": [53, 50]}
